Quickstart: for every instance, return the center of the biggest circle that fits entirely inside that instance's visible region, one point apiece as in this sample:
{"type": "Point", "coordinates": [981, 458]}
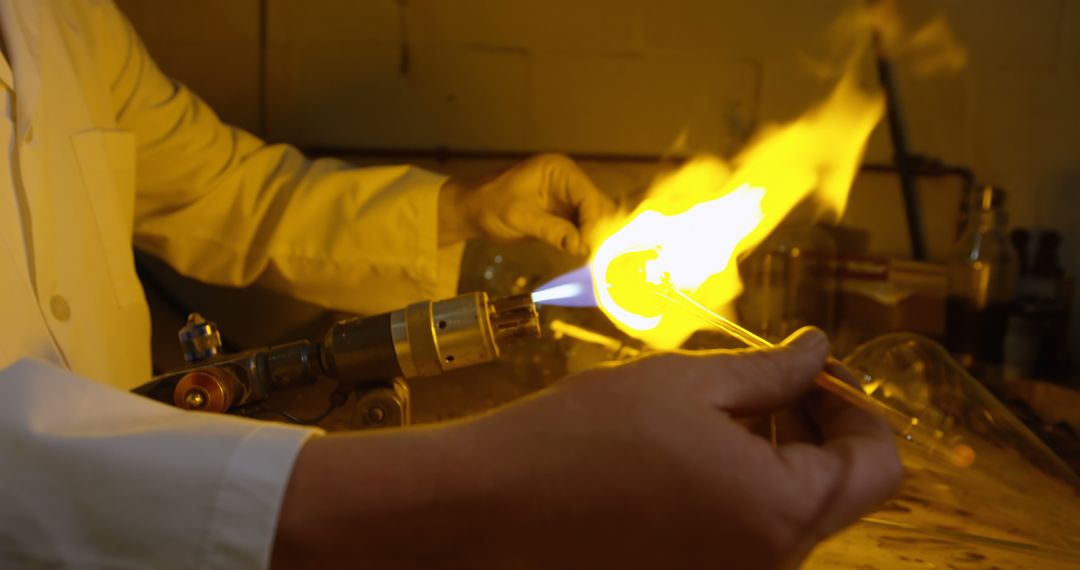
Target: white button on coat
{"type": "Point", "coordinates": [61, 311]}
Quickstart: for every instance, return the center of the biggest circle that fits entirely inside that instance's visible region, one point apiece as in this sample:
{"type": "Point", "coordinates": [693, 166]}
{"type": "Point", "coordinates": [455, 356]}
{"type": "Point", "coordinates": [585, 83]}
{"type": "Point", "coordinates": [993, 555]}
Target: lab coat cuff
{"type": "Point", "coordinates": [244, 520]}
{"type": "Point", "coordinates": [444, 263]}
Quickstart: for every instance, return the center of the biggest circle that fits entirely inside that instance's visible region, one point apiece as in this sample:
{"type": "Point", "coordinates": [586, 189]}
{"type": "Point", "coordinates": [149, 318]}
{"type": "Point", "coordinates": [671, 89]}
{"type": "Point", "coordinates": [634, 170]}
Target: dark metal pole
{"type": "Point", "coordinates": [905, 162]}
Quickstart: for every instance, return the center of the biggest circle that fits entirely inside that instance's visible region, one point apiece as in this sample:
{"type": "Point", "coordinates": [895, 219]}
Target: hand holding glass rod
{"type": "Point", "coordinates": [907, 427]}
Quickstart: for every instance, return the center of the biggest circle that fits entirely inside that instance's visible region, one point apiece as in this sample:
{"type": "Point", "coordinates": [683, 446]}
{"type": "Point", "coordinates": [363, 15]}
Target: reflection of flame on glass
{"type": "Point", "coordinates": [694, 222]}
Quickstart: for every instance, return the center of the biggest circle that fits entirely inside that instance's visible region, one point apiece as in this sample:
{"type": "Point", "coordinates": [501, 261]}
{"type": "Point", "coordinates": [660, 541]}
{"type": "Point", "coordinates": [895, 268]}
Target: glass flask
{"type": "Point", "coordinates": [1016, 506]}
{"type": "Point", "coordinates": [983, 272]}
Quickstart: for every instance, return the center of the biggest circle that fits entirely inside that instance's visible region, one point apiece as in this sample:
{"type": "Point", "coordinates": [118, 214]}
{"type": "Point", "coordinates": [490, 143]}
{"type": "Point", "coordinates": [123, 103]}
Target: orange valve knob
{"type": "Point", "coordinates": [207, 390]}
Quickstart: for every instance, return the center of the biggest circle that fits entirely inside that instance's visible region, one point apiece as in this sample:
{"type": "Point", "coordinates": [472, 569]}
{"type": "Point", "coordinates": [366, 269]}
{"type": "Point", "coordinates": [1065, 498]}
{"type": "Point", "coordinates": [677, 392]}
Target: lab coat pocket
{"type": "Point", "coordinates": [107, 162]}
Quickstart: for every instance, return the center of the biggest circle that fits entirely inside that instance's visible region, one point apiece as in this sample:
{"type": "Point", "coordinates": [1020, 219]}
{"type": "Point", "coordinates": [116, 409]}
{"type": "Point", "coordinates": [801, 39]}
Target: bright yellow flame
{"type": "Point", "coordinates": [696, 220]}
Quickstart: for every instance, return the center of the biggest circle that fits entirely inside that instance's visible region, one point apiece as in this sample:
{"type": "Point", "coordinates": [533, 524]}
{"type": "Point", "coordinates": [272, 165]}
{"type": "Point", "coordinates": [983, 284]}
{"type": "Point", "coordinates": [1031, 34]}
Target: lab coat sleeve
{"type": "Point", "coordinates": [94, 477]}
{"type": "Point", "coordinates": [222, 206]}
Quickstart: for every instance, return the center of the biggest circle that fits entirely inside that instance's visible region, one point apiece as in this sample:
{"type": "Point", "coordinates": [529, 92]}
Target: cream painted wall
{"type": "Point", "coordinates": [211, 45]}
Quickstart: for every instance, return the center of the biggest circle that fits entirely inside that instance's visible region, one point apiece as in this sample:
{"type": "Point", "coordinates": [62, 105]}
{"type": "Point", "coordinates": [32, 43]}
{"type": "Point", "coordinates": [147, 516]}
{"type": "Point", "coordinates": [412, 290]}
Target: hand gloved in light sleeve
{"type": "Point", "coordinates": [546, 197]}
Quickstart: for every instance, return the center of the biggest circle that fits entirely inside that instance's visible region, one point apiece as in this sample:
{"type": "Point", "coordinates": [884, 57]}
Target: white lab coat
{"type": "Point", "coordinates": [109, 152]}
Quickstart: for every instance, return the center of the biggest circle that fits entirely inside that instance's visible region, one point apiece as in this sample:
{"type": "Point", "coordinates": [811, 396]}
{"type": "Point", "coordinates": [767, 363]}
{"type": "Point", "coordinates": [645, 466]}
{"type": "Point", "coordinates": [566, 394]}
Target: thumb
{"type": "Point", "coordinates": [766, 380]}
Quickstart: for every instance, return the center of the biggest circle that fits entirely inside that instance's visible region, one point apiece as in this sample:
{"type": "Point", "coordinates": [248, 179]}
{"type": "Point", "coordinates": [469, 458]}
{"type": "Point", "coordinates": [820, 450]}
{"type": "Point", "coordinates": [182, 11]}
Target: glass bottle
{"type": "Point", "coordinates": [982, 281]}
{"type": "Point", "coordinates": [1036, 345]}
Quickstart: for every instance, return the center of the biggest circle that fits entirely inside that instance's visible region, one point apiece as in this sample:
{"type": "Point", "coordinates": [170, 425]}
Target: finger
{"type": "Point", "coordinates": [549, 228]}
{"type": "Point", "coordinates": [575, 194]}
{"type": "Point", "coordinates": [765, 380]}
{"type": "Point", "coordinates": [570, 187]}
{"type": "Point", "coordinates": [841, 481]}
{"type": "Point", "coordinates": [865, 439]}
{"type": "Point", "coordinates": [837, 419]}
{"type": "Point", "coordinates": [742, 382]}
{"type": "Point", "coordinates": [857, 467]}
{"type": "Point", "coordinates": [595, 206]}
{"type": "Point", "coordinates": [590, 202]}
{"type": "Point", "coordinates": [794, 424]}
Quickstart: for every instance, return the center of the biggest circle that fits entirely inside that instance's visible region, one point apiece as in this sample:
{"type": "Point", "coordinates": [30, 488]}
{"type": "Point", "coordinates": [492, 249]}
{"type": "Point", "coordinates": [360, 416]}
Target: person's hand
{"type": "Point", "coordinates": [645, 465]}
{"type": "Point", "coordinates": [545, 197]}
{"type": "Point", "coordinates": [642, 465]}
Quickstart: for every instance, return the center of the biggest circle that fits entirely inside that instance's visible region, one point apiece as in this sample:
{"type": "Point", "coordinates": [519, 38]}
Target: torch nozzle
{"type": "Point", "coordinates": [514, 317]}
{"type": "Point", "coordinates": [905, 426]}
